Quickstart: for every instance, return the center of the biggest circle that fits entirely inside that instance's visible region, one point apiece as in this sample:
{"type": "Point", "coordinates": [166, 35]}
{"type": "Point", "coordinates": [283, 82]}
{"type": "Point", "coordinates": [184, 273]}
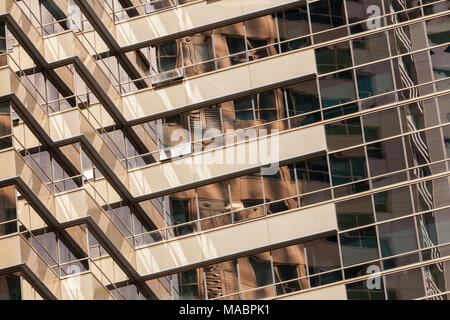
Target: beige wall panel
{"type": "Point", "coordinates": [279, 68]}
{"type": "Point", "coordinates": [225, 161]}
{"type": "Point", "coordinates": [302, 142]}
{"type": "Point", "coordinates": [147, 27]}
{"type": "Point", "coordinates": [232, 159]}
{"type": "Point", "coordinates": [148, 102]}
{"type": "Point", "coordinates": [84, 287]}
{"type": "Point", "coordinates": [10, 251]}
{"type": "Point", "coordinates": [160, 177]}
{"type": "Point", "coordinates": [236, 238]}
{"type": "Point", "coordinates": [337, 292]}
{"type": "Point", "coordinates": [249, 6]}
{"type": "Point", "coordinates": [218, 84]}
{"type": "Point", "coordinates": [8, 169]}
{"type": "Point", "coordinates": [204, 12]}
{"type": "Point", "coordinates": [302, 223]}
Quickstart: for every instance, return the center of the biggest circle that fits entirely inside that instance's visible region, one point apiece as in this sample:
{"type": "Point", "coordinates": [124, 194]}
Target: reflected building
{"type": "Point", "coordinates": [111, 109]}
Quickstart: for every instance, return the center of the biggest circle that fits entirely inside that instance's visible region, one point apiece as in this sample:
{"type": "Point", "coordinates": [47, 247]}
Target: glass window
{"type": "Point", "coordinates": [327, 15]}
{"type": "Point", "coordinates": [392, 203]}
{"type": "Point", "coordinates": [435, 277]}
{"type": "Point", "coordinates": [360, 291]}
{"type": "Point", "coordinates": [397, 237]}
{"type": "Point", "coordinates": [354, 213]}
{"type": "Point", "coordinates": [438, 30]}
{"type": "Point", "coordinates": [348, 166]}
{"type": "Point", "coordinates": [359, 245]}
{"type": "Point", "coordinates": [440, 61]}
{"type": "Point", "coordinates": [167, 56]}
{"type": "Point", "coordinates": [444, 108]}
{"type": "Point", "coordinates": [8, 210]}
{"type": "Point", "coordinates": [446, 131]}
{"type": "Point", "coordinates": [261, 32]}
{"type": "Point", "coordinates": [386, 156]}
{"type": "Point", "coordinates": [266, 106]}
{"type": "Point", "coordinates": [247, 192]}
{"type": "Point", "coordinates": [431, 194]}
{"type": "Point", "coordinates": [214, 199]}
{"type": "Point", "coordinates": [333, 57]}
{"type": "Point", "coordinates": [405, 285]}
{"type": "Point", "coordinates": [183, 209]}
{"type": "Point", "coordinates": [370, 48]}
{"type": "Point", "coordinates": [323, 255]}
{"type": "Point", "coordinates": [10, 288]}
{"type": "Point", "coordinates": [331, 113]}
{"type": "Point", "coordinates": [302, 98]}
{"type": "Point", "coordinates": [380, 125]}
{"type": "Point", "coordinates": [434, 228]}
{"type": "Point", "coordinates": [293, 24]}
{"type": "Point", "coordinates": [358, 10]}
{"type": "Point", "coordinates": [229, 42]}
{"type": "Point", "coordinates": [190, 284]}
{"type": "Point", "coordinates": [243, 109]}
{"type": "Point", "coordinates": [222, 279]}
{"type": "Point", "coordinates": [344, 133]}
{"type": "Point", "coordinates": [256, 271]}
{"type": "Point", "coordinates": [312, 174]}
{"type": "Point", "coordinates": [374, 79]}
{"type": "Point", "coordinates": [337, 88]}
{"type": "Point", "coordinates": [198, 48]}
{"type": "Point", "coordinates": [5, 119]}
{"type": "Point", "coordinates": [290, 263]}
{"type": "Point", "coordinates": [280, 186]}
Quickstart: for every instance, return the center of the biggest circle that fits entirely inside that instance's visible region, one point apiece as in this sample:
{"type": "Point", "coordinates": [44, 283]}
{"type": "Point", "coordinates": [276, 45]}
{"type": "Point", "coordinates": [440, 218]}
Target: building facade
{"type": "Point", "coordinates": [224, 150]}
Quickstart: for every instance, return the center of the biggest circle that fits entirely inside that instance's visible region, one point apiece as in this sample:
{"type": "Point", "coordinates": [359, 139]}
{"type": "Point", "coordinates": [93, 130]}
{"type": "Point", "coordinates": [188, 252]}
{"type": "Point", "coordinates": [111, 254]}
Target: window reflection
{"type": "Point", "coordinates": [293, 23]}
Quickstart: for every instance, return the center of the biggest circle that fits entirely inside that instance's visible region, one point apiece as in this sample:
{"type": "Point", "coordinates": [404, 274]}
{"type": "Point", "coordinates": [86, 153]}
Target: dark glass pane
{"type": "Point", "coordinates": [386, 156]}
{"type": "Point", "coordinates": [10, 288]}
{"type": "Point", "coordinates": [397, 237]}
{"type": "Point", "coordinates": [361, 290]}
{"type": "Point", "coordinates": [327, 15]}
{"type": "Point", "coordinates": [323, 255]}
{"type": "Point", "coordinates": [293, 23]}
{"type": "Point", "coordinates": [359, 245]}
{"type": "Point", "coordinates": [370, 48]}
{"type": "Point", "coordinates": [381, 125]}
{"type": "Point", "coordinates": [354, 213]}
{"type": "Point", "coordinates": [438, 30]}
{"type": "Point", "coordinates": [440, 60]}
{"type": "Point", "coordinates": [431, 194]}
{"type": "Point", "coordinates": [337, 88]}
{"type": "Point", "coordinates": [344, 133]}
{"type": "Point", "coordinates": [190, 285]}
{"type": "Point", "coordinates": [405, 285]}
{"type": "Point", "coordinates": [312, 174]}
{"type": "Point", "coordinates": [434, 228]}
{"type": "Point", "coordinates": [400, 261]}
{"type": "Point", "coordinates": [348, 166]}
{"type": "Point", "coordinates": [392, 203]}
{"type": "Point", "coordinates": [331, 113]}
{"type": "Point", "coordinates": [333, 57]}
{"type": "Point", "coordinates": [374, 79]}
{"type": "Point", "coordinates": [302, 98]}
